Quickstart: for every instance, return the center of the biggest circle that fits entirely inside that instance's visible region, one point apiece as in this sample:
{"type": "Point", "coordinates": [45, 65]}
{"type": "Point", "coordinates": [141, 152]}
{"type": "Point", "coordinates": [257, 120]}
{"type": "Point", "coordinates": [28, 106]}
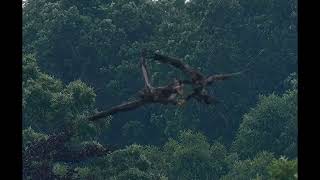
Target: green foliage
{"type": "Point", "coordinates": [192, 157]}
{"type": "Point", "coordinates": [270, 126]}
{"type": "Point", "coordinates": [255, 168]}
{"type": "Point", "coordinates": [283, 168]}
{"type": "Point", "coordinates": [133, 174]}
{"type": "Point", "coordinates": [130, 157]}
{"type": "Point", "coordinates": [219, 156]}
{"type": "Point", "coordinates": [29, 136]}
{"type": "Point", "coordinates": [50, 107]}
{"type": "Point", "coordinates": [132, 162]}
{"type": "Point", "coordinates": [83, 173]}
{"type": "Point", "coordinates": [60, 170]}
{"type": "Point", "coordinates": [30, 68]}
{"type": "Point", "coordinates": [47, 103]}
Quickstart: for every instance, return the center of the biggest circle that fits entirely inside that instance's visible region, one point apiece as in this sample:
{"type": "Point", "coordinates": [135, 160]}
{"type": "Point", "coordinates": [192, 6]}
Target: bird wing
{"type": "Point", "coordinates": [127, 106]}
{"type": "Point", "coordinates": [218, 77]}
{"type": "Point", "coordinates": [176, 63]}
{"type": "Point", "coordinates": [145, 72]}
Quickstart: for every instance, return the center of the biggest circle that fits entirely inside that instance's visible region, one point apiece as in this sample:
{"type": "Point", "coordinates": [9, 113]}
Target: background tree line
{"type": "Point", "coordinates": [80, 56]}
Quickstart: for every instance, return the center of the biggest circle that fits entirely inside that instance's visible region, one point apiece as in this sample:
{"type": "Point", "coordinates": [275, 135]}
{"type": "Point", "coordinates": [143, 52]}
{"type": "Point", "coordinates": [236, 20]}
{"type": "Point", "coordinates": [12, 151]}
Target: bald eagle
{"type": "Point", "coordinates": [197, 79]}
{"type": "Point", "coordinates": [149, 94]}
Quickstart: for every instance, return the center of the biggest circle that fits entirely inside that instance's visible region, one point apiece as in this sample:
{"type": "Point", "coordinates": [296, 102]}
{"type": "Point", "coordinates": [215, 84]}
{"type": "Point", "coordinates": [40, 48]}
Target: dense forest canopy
{"type": "Point", "coordinates": [80, 56]}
